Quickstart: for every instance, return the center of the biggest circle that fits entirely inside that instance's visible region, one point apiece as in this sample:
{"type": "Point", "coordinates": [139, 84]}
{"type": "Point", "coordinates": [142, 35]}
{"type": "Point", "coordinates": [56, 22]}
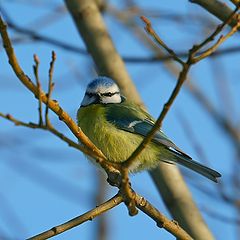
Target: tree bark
{"type": "Point", "coordinates": [167, 178]}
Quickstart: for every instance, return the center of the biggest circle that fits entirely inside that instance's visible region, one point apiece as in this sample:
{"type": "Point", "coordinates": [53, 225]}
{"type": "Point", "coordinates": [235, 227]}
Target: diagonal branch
{"type": "Point", "coordinates": [160, 219]}
{"type": "Point", "coordinates": [51, 129]}
{"type": "Point", "coordinates": [88, 216]}
{"type": "Point", "coordinates": [146, 207]}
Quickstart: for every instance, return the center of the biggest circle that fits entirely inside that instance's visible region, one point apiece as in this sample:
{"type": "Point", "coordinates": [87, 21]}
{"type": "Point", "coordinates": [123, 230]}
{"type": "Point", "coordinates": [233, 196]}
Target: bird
{"type": "Point", "coordinates": [117, 126]}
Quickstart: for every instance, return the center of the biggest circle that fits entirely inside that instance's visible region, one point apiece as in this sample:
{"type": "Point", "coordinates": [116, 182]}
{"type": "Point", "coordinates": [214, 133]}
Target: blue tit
{"type": "Point", "coordinates": [117, 127]}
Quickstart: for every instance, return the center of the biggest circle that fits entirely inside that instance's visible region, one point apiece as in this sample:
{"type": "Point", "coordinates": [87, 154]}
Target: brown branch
{"type": "Point", "coordinates": [45, 98]}
{"type": "Point", "coordinates": [50, 86]}
{"type": "Point", "coordinates": [42, 96]}
{"type": "Point", "coordinates": [88, 216]}
{"type": "Point", "coordinates": [90, 148]}
{"type": "Point", "coordinates": [35, 71]}
{"type": "Point", "coordinates": [50, 128]}
{"type": "Point", "coordinates": [158, 123]}
{"type": "Point", "coordinates": [141, 203]}
{"type": "Point", "coordinates": [221, 39]}
{"type": "Point", "coordinates": [159, 41]}
{"type": "Point", "coordinates": [127, 192]}
{"type": "Point", "coordinates": [160, 219]}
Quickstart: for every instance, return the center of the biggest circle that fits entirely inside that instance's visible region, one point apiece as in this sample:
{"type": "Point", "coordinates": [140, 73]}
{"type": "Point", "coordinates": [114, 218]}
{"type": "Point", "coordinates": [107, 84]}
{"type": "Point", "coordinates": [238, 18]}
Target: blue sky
{"type": "Point", "coordinates": [45, 183]}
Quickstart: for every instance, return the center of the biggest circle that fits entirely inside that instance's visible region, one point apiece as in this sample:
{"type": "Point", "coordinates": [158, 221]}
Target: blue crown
{"type": "Point", "coordinates": [101, 81]}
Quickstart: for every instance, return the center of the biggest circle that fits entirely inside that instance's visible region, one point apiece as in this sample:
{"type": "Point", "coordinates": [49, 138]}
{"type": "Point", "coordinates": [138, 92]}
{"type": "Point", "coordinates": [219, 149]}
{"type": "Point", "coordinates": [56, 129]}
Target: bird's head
{"type": "Point", "coordinates": [102, 90]}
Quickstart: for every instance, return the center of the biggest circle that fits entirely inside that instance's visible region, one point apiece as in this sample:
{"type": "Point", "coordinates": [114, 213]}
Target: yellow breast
{"type": "Point", "coordinates": [116, 144]}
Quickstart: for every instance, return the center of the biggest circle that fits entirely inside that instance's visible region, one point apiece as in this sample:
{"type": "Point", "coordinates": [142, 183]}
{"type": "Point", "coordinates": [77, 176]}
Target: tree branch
{"type": "Point", "coordinates": [90, 148]}
{"type": "Point", "coordinates": [161, 220]}
{"type": "Point", "coordinates": [88, 216]}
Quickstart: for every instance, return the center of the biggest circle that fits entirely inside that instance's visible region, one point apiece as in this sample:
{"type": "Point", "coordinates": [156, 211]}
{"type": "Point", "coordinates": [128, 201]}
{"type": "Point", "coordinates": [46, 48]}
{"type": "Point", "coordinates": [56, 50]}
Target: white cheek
{"type": "Point", "coordinates": [113, 99]}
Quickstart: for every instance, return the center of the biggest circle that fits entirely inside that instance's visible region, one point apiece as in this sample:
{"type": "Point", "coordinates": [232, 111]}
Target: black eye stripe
{"type": "Point", "coordinates": [107, 94]}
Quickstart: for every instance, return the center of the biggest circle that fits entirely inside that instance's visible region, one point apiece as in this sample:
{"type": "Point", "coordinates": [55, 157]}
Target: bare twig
{"type": "Point", "coordinates": [88, 216]}
{"type": "Point", "coordinates": [50, 87]}
{"type": "Point", "coordinates": [35, 70]}
{"type": "Point", "coordinates": [159, 41]}
{"type": "Point", "coordinates": [158, 123]}
{"type": "Point", "coordinates": [44, 127]}
{"type": "Point", "coordinates": [141, 203]}
{"type": "Point", "coordinates": [221, 39]}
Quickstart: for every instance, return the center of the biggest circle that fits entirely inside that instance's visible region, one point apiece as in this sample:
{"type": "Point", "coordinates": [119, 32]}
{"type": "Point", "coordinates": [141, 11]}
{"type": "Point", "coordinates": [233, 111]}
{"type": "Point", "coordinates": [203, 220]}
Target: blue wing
{"type": "Point", "coordinates": [135, 120]}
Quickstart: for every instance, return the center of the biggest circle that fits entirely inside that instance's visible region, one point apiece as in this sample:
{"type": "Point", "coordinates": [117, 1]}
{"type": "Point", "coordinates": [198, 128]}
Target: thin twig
{"type": "Point", "coordinates": [142, 204]}
{"type": "Point", "coordinates": [107, 165]}
{"type": "Point", "coordinates": [219, 28]}
{"type": "Point", "coordinates": [88, 216]}
{"type": "Point", "coordinates": [150, 30]}
{"type": "Point", "coordinates": [54, 131]}
{"type": "Point", "coordinates": [35, 70]}
{"type": "Point", "coordinates": [50, 87]}
{"type": "Point", "coordinates": [219, 41]}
